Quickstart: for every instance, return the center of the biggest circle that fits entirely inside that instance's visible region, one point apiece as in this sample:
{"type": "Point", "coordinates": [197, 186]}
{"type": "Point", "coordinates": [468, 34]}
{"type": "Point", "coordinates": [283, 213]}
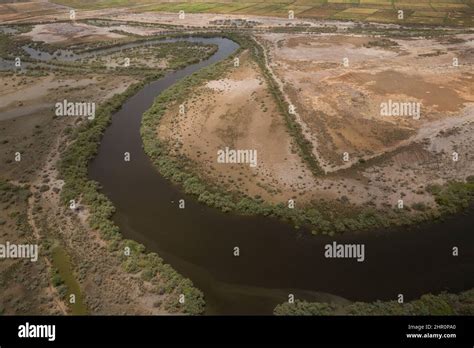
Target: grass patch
{"type": "Point", "coordinates": [64, 280]}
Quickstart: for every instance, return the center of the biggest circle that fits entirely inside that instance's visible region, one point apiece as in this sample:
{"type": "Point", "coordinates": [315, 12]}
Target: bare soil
{"type": "Point", "coordinates": [238, 112]}
{"type": "Point", "coordinates": [389, 157]}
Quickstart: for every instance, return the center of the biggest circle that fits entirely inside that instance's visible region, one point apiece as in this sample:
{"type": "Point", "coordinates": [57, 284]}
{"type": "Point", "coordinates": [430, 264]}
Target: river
{"type": "Point", "coordinates": [275, 259]}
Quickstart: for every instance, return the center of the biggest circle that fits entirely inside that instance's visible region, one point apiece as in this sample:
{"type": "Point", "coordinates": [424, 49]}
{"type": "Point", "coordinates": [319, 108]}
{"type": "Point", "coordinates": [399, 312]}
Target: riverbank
{"type": "Point", "coordinates": [153, 286]}
{"type": "Point", "coordinates": [73, 170]}
{"type": "Point", "coordinates": [442, 304]}
{"type": "Point", "coordinates": [194, 241]}
{"type": "Point", "coordinates": [327, 216]}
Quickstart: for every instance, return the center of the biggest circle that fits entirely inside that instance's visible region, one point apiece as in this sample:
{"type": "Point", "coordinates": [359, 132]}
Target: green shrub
{"type": "Point", "coordinates": [442, 304]}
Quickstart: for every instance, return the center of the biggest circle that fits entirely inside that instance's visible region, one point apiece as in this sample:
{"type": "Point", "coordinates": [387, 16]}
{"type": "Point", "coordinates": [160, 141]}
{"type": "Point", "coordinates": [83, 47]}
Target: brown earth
{"type": "Point", "coordinates": [341, 105]}
{"type": "Point", "coordinates": [238, 112]}
{"type": "Point", "coordinates": [339, 109]}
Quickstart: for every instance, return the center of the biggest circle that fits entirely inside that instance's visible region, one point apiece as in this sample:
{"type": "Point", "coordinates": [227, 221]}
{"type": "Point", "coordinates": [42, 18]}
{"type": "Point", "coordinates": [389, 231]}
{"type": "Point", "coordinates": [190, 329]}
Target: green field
{"type": "Point", "coordinates": [434, 12]}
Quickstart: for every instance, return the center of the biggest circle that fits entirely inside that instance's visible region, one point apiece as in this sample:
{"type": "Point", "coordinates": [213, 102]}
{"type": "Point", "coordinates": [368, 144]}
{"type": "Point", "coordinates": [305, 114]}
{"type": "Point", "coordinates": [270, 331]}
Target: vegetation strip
{"type": "Point", "coordinates": [442, 304]}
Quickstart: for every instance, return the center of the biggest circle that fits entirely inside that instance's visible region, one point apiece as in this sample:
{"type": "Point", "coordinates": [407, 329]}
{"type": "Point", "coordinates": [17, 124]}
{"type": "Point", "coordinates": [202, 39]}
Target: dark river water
{"type": "Point", "coordinates": [275, 259]}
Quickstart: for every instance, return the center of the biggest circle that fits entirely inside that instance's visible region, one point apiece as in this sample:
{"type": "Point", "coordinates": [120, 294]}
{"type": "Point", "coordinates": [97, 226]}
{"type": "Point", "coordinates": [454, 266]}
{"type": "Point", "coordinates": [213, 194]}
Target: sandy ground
{"type": "Point", "coordinates": [341, 104]}
{"type": "Point", "coordinates": [207, 19]}
{"type": "Point", "coordinates": [60, 32]}
{"type": "Point", "coordinates": [238, 112]}
{"type": "Point", "coordinates": [339, 109]}
{"type": "Point", "coordinates": [27, 120]}
{"type": "Point", "coordinates": [25, 95]}
{"type": "Point", "coordinates": [33, 92]}
{"type": "Point", "coordinates": [73, 31]}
